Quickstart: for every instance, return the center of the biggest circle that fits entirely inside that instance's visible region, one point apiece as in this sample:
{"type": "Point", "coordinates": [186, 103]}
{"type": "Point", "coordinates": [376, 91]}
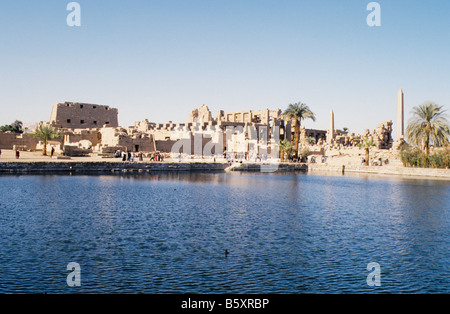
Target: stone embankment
{"type": "Point", "coordinates": [268, 168]}
{"type": "Point", "coordinates": [98, 167]}
{"type": "Point", "coordinates": [102, 167]}
{"type": "Point", "coordinates": [382, 170]}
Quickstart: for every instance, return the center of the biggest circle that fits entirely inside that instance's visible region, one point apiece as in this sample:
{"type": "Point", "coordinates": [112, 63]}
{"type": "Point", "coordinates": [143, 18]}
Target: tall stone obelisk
{"type": "Point", "coordinates": [331, 130]}
{"type": "Point", "coordinates": [400, 115]}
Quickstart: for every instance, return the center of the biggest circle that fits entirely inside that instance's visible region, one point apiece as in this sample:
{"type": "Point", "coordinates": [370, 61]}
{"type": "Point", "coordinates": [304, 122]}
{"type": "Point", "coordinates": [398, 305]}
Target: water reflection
{"type": "Point", "coordinates": [166, 233]}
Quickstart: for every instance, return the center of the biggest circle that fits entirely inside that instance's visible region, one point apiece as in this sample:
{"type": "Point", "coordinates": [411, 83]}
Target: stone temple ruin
{"type": "Point", "coordinates": [382, 137]}
{"type": "Point", "coordinates": [71, 115]}
{"type": "Point", "coordinates": [90, 129]}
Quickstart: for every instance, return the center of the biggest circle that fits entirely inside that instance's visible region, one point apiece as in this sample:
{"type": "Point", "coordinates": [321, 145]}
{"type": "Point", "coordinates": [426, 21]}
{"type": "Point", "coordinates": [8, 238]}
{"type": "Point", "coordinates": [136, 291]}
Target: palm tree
{"type": "Point", "coordinates": [427, 127]}
{"type": "Point", "coordinates": [298, 112]}
{"type": "Point", "coordinates": [285, 148]}
{"type": "Point", "coordinates": [45, 133]}
{"type": "Point", "coordinates": [366, 144]}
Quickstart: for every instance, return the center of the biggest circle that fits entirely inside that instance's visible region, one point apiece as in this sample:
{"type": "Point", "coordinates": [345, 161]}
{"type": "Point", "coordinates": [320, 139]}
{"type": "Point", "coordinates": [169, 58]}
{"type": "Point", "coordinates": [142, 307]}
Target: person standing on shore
{"type": "Point", "coordinates": [17, 154]}
{"type": "Point", "coordinates": [0, 153]}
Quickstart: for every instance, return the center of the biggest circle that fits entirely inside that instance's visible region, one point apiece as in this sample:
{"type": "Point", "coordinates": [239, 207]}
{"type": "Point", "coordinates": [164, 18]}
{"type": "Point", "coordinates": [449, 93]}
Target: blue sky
{"type": "Point", "coordinates": [158, 60]}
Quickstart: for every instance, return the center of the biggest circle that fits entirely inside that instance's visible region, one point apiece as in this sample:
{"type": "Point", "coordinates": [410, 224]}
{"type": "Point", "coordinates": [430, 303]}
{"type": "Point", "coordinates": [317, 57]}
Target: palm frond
{"type": "Point", "coordinates": [299, 111]}
{"type": "Point", "coordinates": [428, 126]}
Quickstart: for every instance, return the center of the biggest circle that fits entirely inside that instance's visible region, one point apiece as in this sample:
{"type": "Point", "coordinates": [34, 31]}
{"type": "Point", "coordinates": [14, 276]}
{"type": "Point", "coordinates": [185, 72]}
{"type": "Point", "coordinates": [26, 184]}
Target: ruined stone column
{"type": "Point", "coordinates": [400, 115]}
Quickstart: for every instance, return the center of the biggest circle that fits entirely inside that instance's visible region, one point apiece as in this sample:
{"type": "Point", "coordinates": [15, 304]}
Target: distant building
{"type": "Point", "coordinates": [71, 115]}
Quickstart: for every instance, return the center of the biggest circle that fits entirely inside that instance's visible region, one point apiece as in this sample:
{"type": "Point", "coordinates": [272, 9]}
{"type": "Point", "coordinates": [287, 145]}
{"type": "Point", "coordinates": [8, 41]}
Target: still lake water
{"type": "Point", "coordinates": [167, 233]}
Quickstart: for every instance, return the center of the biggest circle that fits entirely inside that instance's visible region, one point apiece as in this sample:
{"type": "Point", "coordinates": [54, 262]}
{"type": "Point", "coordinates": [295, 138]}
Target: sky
{"type": "Point", "coordinates": [159, 60]}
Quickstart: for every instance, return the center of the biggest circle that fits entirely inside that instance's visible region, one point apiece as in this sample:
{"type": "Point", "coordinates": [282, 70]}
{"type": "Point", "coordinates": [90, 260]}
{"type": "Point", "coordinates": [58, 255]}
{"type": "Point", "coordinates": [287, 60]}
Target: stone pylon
{"type": "Point", "coordinates": [331, 129]}
{"type": "Point", "coordinates": [400, 115]}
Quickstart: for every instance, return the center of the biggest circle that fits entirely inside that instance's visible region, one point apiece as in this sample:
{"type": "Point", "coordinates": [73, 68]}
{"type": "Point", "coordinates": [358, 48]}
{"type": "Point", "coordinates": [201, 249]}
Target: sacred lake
{"type": "Point", "coordinates": [166, 233]}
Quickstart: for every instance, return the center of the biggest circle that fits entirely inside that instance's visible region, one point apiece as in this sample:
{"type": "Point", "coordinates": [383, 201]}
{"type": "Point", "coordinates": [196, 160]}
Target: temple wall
{"type": "Point", "coordinates": [83, 116]}
{"type": "Point", "coordinates": [8, 140]}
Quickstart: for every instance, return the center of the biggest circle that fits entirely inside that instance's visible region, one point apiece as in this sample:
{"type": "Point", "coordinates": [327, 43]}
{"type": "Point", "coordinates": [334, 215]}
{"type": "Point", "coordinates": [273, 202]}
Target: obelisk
{"type": "Point", "coordinates": [400, 115]}
{"type": "Point", "coordinates": [331, 130]}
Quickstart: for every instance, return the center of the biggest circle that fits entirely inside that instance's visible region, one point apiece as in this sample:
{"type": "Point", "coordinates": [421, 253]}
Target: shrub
{"type": "Point", "coordinates": [417, 158]}
{"type": "Point", "coordinates": [311, 140]}
{"type": "Point", "coordinates": [304, 153]}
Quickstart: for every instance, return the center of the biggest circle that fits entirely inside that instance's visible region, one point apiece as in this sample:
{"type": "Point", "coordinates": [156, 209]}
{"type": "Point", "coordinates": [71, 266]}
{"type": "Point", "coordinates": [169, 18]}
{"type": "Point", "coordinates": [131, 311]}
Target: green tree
{"type": "Point", "coordinates": [427, 127]}
{"type": "Point", "coordinates": [5, 128]}
{"type": "Point", "coordinates": [366, 144]}
{"type": "Point", "coordinates": [15, 127]}
{"type": "Point", "coordinates": [45, 133]}
{"type": "Point", "coordinates": [298, 112]}
{"type": "Point", "coordinates": [286, 148]}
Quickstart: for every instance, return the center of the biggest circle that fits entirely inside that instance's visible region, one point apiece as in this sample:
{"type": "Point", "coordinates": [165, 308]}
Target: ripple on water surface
{"type": "Point", "coordinates": [167, 233]}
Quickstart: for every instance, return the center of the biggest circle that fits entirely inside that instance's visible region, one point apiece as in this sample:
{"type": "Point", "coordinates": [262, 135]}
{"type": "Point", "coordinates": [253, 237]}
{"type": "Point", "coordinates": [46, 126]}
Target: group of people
{"type": "Point", "coordinates": [373, 162]}
{"type": "Point", "coordinates": [244, 156]}
{"type": "Point", "coordinates": [156, 157]}
{"type": "Point", "coordinates": [131, 156]}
